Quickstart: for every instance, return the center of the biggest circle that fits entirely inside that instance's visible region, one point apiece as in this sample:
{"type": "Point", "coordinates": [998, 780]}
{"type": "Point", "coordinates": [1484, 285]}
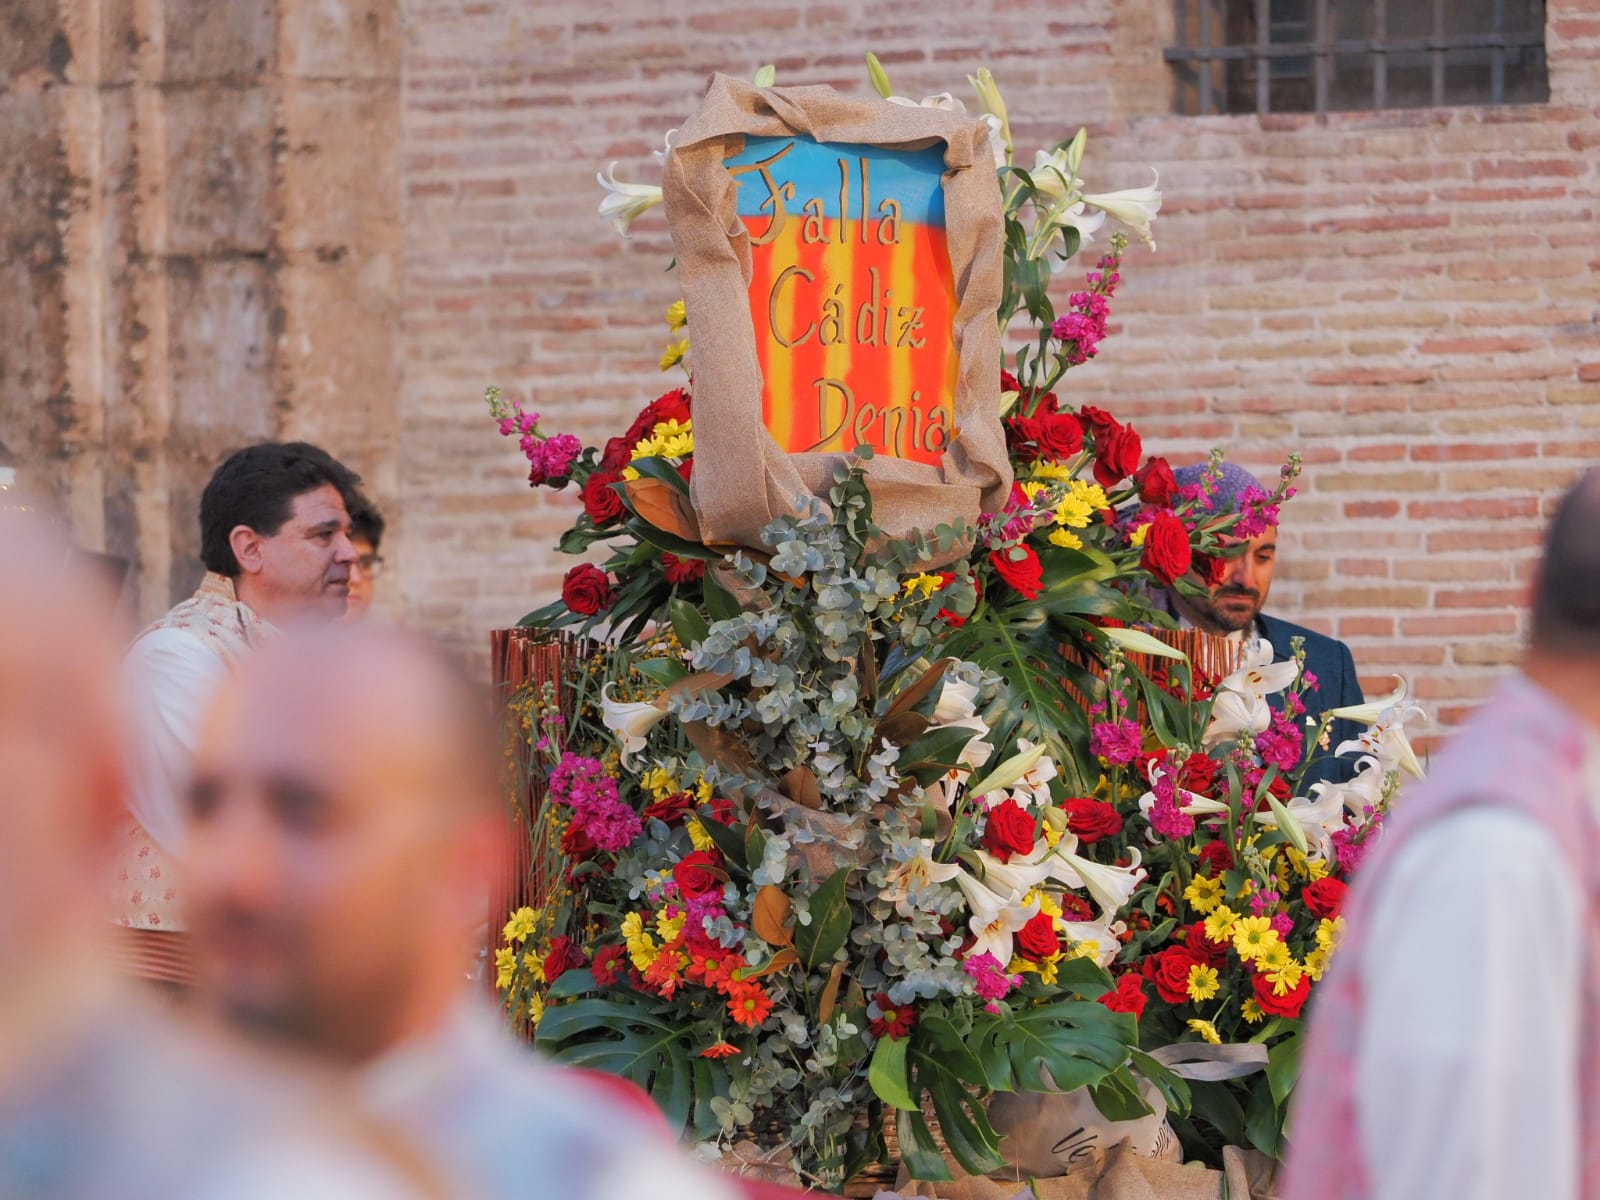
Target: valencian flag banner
{"type": "Point", "coordinates": [851, 294]}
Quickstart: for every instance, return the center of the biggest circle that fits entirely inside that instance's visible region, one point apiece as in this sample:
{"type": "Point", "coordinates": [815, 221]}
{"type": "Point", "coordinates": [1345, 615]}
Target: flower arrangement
{"type": "Point", "coordinates": [835, 838]}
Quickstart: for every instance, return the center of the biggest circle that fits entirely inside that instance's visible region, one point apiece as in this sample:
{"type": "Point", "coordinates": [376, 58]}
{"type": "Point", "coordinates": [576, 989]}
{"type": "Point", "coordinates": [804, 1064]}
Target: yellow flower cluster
{"type": "Point", "coordinates": [924, 584]}
{"type": "Point", "coordinates": [669, 439]}
{"type": "Point", "coordinates": [659, 782]}
{"type": "Point", "coordinates": [1075, 508]}
{"type": "Point", "coordinates": [642, 948]}
{"type": "Point", "coordinates": [522, 925]}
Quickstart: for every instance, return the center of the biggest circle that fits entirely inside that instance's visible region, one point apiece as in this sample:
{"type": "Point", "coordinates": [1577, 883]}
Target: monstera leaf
{"type": "Point", "coordinates": [630, 1035]}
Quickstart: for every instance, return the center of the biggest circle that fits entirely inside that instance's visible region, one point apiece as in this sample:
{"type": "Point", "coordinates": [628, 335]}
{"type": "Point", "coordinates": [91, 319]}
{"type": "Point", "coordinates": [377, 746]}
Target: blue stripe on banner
{"type": "Point", "coordinates": [912, 177]}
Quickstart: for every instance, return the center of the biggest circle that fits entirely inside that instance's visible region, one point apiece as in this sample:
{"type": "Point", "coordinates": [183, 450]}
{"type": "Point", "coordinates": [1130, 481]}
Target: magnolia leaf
{"type": "Point", "coordinates": [918, 691]}
{"type": "Point", "coordinates": [726, 838]}
{"type": "Point", "coordinates": [688, 625]}
{"type": "Point", "coordinates": [901, 728]}
{"type": "Point", "coordinates": [830, 994]}
{"type": "Point", "coordinates": [1141, 642]}
{"type": "Point", "coordinates": [665, 507]}
{"type": "Point", "coordinates": [780, 961]}
{"type": "Point", "coordinates": [1283, 1068]}
{"type": "Point", "coordinates": [830, 922]}
{"type": "Point", "coordinates": [887, 1074]}
{"type": "Point", "coordinates": [799, 785]}
{"type": "Point", "coordinates": [769, 916]}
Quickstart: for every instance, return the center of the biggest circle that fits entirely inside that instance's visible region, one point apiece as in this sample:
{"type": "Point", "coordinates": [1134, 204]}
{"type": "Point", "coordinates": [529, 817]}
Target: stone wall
{"type": "Point", "coordinates": [316, 218]}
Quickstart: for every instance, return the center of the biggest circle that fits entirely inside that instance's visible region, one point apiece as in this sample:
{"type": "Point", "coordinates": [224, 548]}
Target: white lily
{"type": "Point", "coordinates": [666, 149]}
{"type": "Point", "coordinates": [1385, 739]}
{"type": "Point", "coordinates": [909, 878]}
{"type": "Point", "coordinates": [1258, 675]}
{"type": "Point", "coordinates": [1141, 642]}
{"type": "Point", "coordinates": [1054, 178]}
{"type": "Point", "coordinates": [1110, 886]}
{"type": "Point", "coordinates": [630, 722]}
{"type": "Point", "coordinates": [625, 201]}
{"type": "Point", "coordinates": [1011, 770]}
{"type": "Point", "coordinates": [1233, 713]}
{"type": "Point", "coordinates": [958, 701]}
{"type": "Point", "coordinates": [1134, 207]}
{"type": "Point", "coordinates": [1035, 781]}
{"type": "Point", "coordinates": [1370, 712]}
{"type": "Point", "coordinates": [944, 102]}
{"type": "Point", "coordinates": [995, 918]}
{"type": "Point", "coordinates": [1101, 934]}
{"type": "Point", "coordinates": [1019, 876]}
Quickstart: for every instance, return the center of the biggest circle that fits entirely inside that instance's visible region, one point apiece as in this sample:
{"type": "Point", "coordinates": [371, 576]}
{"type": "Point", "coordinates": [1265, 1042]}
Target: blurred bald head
{"type": "Point", "coordinates": [1566, 601]}
{"type": "Point", "coordinates": [345, 816]}
{"type": "Point", "coordinates": [60, 744]}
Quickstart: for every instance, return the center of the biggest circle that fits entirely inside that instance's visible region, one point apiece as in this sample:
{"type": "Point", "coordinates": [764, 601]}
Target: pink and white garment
{"type": "Point", "coordinates": [170, 675]}
{"type": "Point", "coordinates": [1454, 1050]}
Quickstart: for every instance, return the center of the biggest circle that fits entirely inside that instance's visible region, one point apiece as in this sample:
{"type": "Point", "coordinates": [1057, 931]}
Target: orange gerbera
{"type": "Point", "coordinates": [662, 975]}
{"type": "Point", "coordinates": [749, 1004]}
{"type": "Point", "coordinates": [719, 1050]}
{"type": "Point", "coordinates": [713, 966]}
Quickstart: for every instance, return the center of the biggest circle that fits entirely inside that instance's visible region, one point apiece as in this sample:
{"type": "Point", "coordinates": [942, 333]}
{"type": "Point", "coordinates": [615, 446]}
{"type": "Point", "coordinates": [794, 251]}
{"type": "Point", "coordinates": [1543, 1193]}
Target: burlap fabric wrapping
{"type": "Point", "coordinates": [742, 478]}
{"type": "Point", "coordinates": [1120, 1174]}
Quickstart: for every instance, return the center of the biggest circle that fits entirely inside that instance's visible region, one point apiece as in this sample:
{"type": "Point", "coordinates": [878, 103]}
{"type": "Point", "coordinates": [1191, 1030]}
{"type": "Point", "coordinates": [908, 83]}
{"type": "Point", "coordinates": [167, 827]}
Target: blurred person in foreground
{"type": "Point", "coordinates": [102, 1097]}
{"type": "Point", "coordinates": [275, 540]}
{"type": "Point", "coordinates": [366, 535]}
{"type": "Point", "coordinates": [1232, 608]}
{"type": "Point", "coordinates": [1454, 1051]}
{"type": "Point", "coordinates": [345, 813]}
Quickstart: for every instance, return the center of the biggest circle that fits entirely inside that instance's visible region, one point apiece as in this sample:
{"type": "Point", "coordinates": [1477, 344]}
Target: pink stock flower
{"type": "Point", "coordinates": [1280, 744]}
{"type": "Point", "coordinates": [1256, 513]}
{"type": "Point", "coordinates": [989, 979]}
{"type": "Point", "coordinates": [1166, 818]}
{"type": "Point", "coordinates": [1283, 923]}
{"type": "Point", "coordinates": [1118, 742]}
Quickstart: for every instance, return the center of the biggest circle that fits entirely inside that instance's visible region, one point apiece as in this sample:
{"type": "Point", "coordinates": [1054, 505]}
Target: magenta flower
{"type": "Point", "coordinates": [1118, 742]}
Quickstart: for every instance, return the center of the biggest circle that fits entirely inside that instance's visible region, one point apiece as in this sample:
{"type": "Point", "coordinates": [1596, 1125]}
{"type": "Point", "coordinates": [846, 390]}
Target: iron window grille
{"type": "Point", "coordinates": [1319, 56]}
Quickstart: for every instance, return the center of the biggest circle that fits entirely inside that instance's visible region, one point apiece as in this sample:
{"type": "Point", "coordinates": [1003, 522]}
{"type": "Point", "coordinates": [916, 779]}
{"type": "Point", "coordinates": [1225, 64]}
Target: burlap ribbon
{"type": "Point", "coordinates": [742, 478]}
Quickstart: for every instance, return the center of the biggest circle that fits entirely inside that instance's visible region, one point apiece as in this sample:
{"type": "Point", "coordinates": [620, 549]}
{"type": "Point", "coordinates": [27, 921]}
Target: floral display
{"type": "Point", "coordinates": [833, 839]}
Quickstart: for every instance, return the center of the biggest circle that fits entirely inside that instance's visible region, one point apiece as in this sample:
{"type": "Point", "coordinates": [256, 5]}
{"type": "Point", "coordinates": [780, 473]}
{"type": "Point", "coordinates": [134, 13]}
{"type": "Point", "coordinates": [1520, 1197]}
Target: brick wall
{"type": "Point", "coordinates": [341, 220]}
{"type": "Point", "coordinates": [1410, 300]}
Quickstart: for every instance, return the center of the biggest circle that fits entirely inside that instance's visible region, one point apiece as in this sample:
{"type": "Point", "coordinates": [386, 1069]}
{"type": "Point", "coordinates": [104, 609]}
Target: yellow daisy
{"type": "Point", "coordinates": [1204, 894]}
{"type": "Point", "coordinates": [1203, 982]}
{"type": "Point", "coordinates": [1207, 1031]}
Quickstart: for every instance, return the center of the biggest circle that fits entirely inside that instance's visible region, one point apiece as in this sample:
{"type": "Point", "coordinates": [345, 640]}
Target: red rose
{"type": "Point", "coordinates": [563, 957]}
{"type": "Point", "coordinates": [1287, 1005]}
{"type": "Point", "coordinates": [1215, 858]}
{"type": "Point", "coordinates": [1091, 819]}
{"type": "Point", "coordinates": [682, 570]}
{"type": "Point", "coordinates": [674, 406]}
{"type": "Point", "coordinates": [1060, 436]}
{"type": "Point", "coordinates": [1325, 897]}
{"type": "Point", "coordinates": [576, 843]}
{"type": "Point", "coordinates": [1199, 774]}
{"type": "Point", "coordinates": [586, 590]}
{"type": "Point", "coordinates": [1025, 573]}
{"type": "Point", "coordinates": [1195, 941]}
{"type": "Point", "coordinates": [600, 500]}
{"type": "Point", "coordinates": [1117, 456]}
{"type": "Point", "coordinates": [671, 809]}
{"type": "Point", "coordinates": [1166, 548]}
{"type": "Point", "coordinates": [1172, 973]}
{"type": "Point", "coordinates": [608, 965]}
{"type": "Point", "coordinates": [1211, 569]}
{"type": "Point", "coordinates": [1010, 830]}
{"type": "Point", "coordinates": [1128, 996]}
{"type": "Point", "coordinates": [1097, 423]}
{"type": "Point", "coordinates": [721, 811]}
{"type": "Point", "coordinates": [617, 454]}
{"type": "Point", "coordinates": [1038, 940]}
{"type": "Point", "coordinates": [1156, 483]}
{"type": "Point", "coordinates": [699, 874]}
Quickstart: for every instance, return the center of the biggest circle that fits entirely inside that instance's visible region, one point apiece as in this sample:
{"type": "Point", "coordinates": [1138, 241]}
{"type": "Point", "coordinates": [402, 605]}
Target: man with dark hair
{"type": "Point", "coordinates": [366, 533]}
{"type": "Point", "coordinates": [275, 540]}
{"type": "Point", "coordinates": [1437, 1066]}
{"type": "Point", "coordinates": [1233, 609]}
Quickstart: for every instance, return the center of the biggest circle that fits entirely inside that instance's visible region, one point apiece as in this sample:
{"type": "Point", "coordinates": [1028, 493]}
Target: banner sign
{"type": "Point", "coordinates": [851, 295]}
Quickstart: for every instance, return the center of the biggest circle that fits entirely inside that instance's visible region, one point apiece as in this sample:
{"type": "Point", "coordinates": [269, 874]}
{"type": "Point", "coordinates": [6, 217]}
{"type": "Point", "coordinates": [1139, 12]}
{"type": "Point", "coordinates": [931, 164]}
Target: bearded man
{"type": "Point", "coordinates": [1232, 608]}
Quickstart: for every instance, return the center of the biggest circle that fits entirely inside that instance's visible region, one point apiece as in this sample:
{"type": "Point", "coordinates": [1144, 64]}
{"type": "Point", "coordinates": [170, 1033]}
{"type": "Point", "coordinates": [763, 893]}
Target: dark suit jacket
{"type": "Point", "coordinates": [1337, 687]}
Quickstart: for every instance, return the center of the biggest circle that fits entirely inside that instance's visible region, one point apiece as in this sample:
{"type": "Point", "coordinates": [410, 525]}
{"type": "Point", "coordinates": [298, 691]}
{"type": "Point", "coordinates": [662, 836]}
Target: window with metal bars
{"type": "Point", "coordinates": [1237, 56]}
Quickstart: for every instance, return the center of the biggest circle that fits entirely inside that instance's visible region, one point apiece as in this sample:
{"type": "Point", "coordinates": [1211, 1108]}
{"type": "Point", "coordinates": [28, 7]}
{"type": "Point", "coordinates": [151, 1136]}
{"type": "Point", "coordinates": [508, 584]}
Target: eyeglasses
{"type": "Point", "coordinates": [371, 565]}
